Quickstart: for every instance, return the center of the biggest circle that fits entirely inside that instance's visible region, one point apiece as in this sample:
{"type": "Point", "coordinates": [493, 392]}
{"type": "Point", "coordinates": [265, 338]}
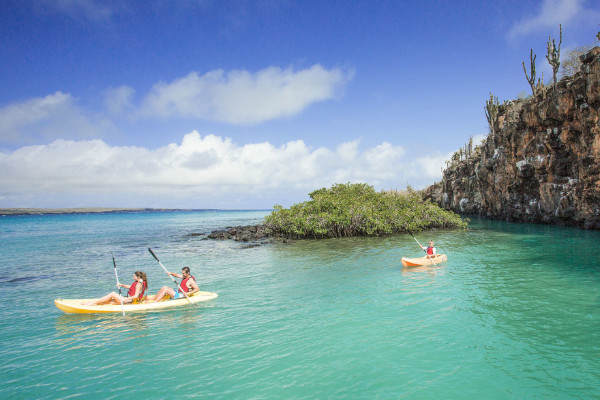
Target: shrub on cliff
{"type": "Point", "coordinates": [358, 210]}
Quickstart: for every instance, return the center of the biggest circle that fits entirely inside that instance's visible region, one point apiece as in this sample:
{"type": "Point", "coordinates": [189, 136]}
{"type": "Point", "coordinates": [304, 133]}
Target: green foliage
{"type": "Point", "coordinates": [358, 210]}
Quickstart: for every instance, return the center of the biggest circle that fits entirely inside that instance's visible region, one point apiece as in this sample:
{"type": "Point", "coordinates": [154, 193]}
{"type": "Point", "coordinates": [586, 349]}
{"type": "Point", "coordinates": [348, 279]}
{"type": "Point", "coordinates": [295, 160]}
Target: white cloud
{"type": "Point", "coordinates": [92, 10]}
{"type": "Point", "coordinates": [240, 97]}
{"type": "Point", "coordinates": [47, 118]}
{"type": "Point", "coordinates": [429, 167]}
{"type": "Point", "coordinates": [237, 97]}
{"type": "Point", "coordinates": [119, 100]}
{"type": "Point", "coordinates": [197, 171]}
{"type": "Point", "coordinates": [551, 14]}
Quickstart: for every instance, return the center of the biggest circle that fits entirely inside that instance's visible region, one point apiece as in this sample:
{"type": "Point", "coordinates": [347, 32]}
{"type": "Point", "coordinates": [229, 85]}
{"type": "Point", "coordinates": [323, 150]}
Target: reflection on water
{"type": "Point", "coordinates": [429, 270]}
{"type": "Point", "coordinates": [75, 329]}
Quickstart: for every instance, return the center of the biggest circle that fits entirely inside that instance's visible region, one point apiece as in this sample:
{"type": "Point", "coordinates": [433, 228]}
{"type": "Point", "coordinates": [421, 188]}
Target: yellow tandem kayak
{"type": "Point", "coordinates": [75, 306]}
{"type": "Point", "coordinates": [421, 261]}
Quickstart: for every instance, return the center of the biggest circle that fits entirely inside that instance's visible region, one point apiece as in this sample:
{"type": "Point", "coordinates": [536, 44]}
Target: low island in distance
{"type": "Point", "coordinates": [86, 210]}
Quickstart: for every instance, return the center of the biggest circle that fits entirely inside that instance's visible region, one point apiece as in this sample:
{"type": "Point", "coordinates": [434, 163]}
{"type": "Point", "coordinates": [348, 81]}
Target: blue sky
{"type": "Point", "coordinates": [247, 104]}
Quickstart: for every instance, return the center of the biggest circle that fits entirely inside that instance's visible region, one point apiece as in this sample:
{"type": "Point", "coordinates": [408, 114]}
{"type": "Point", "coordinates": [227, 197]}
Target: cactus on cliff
{"type": "Point", "coordinates": [553, 55]}
{"type": "Point", "coordinates": [540, 88]}
{"type": "Point", "coordinates": [467, 150]}
{"type": "Point", "coordinates": [491, 111]}
{"type": "Point", "coordinates": [531, 79]}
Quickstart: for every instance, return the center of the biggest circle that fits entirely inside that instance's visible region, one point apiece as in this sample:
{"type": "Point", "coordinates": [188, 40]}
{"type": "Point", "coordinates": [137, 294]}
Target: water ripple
{"type": "Point", "coordinates": [310, 319]}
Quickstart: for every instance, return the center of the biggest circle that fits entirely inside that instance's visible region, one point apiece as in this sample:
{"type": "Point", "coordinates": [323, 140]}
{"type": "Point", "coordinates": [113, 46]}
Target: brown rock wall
{"type": "Point", "coordinates": [541, 164]}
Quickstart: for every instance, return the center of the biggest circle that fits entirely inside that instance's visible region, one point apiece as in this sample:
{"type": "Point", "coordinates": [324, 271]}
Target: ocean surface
{"type": "Point", "coordinates": [513, 314]}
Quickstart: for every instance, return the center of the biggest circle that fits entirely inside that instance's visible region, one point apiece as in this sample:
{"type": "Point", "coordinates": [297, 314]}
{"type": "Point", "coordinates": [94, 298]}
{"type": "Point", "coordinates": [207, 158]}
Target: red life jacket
{"type": "Point", "coordinates": [131, 291]}
{"type": "Point", "coordinates": [430, 251]}
{"type": "Point", "coordinates": [183, 285]}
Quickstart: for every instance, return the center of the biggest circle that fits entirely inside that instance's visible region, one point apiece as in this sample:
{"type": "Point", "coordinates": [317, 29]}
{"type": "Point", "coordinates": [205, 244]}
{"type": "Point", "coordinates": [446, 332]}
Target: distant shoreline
{"type": "Point", "coordinates": [89, 210]}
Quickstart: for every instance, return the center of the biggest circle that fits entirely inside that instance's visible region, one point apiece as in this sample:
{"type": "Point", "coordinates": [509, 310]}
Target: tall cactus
{"type": "Point", "coordinates": [553, 55]}
{"type": "Point", "coordinates": [540, 88]}
{"type": "Point", "coordinates": [470, 145]}
{"type": "Point", "coordinates": [531, 79]}
{"type": "Point", "coordinates": [491, 112]}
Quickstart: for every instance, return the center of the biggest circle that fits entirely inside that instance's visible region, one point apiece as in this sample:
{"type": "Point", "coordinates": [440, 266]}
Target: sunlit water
{"type": "Point", "coordinates": [513, 314]}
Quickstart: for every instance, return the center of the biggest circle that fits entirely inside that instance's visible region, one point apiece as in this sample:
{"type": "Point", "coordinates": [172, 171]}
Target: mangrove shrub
{"type": "Point", "coordinates": [358, 210]}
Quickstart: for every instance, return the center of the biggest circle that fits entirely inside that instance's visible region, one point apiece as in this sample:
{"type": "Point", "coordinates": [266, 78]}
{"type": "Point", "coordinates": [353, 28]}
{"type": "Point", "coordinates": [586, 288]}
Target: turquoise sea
{"type": "Point", "coordinates": [513, 314]}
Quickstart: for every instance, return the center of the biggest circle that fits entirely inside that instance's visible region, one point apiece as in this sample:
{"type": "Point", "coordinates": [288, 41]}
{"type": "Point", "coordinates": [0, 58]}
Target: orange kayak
{"type": "Point", "coordinates": [420, 261]}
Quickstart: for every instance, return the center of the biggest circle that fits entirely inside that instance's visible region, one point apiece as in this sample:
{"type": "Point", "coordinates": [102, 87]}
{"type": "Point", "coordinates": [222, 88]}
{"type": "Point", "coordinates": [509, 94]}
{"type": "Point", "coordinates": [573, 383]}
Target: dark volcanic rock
{"type": "Point", "coordinates": [219, 234]}
{"type": "Point", "coordinates": [249, 233]}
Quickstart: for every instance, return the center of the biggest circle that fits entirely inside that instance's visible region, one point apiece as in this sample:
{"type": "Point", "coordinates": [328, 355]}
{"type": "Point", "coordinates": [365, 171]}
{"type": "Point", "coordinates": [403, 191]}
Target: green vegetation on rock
{"type": "Point", "coordinates": [358, 210]}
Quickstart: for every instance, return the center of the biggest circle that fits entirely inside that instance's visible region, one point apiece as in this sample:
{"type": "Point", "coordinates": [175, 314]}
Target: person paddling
{"type": "Point", "coordinates": [134, 295]}
{"type": "Point", "coordinates": [429, 250]}
{"type": "Point", "coordinates": [188, 286]}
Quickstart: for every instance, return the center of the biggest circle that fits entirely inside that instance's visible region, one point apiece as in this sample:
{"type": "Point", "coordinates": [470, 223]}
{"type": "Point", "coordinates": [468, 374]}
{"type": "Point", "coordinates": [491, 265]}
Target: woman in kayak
{"type": "Point", "coordinates": [430, 250]}
{"type": "Point", "coordinates": [134, 295]}
{"type": "Point", "coordinates": [188, 286]}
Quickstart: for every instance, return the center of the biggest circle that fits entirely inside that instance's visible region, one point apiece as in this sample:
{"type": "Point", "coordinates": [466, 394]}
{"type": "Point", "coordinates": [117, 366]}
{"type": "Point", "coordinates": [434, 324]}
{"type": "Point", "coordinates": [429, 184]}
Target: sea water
{"type": "Point", "coordinates": [513, 314]}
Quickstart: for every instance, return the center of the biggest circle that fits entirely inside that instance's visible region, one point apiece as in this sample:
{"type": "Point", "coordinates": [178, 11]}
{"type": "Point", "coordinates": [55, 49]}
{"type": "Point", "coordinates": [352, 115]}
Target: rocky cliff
{"type": "Point", "coordinates": [541, 161]}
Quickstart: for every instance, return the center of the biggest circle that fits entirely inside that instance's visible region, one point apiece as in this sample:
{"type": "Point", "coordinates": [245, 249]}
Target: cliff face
{"type": "Point", "coordinates": [541, 163]}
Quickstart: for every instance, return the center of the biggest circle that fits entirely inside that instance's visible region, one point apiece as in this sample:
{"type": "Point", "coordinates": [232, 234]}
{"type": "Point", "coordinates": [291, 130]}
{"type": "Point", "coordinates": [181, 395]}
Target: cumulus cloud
{"type": "Point", "coordinates": [237, 97]}
{"type": "Point", "coordinates": [430, 166]}
{"type": "Point", "coordinates": [47, 118]}
{"type": "Point", "coordinates": [240, 97]}
{"type": "Point", "coordinates": [551, 14]}
{"type": "Point", "coordinates": [200, 167]}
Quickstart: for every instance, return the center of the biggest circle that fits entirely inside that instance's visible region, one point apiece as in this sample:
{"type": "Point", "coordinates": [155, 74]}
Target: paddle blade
{"type": "Point", "coordinates": [411, 234]}
{"type": "Point", "coordinates": [153, 255]}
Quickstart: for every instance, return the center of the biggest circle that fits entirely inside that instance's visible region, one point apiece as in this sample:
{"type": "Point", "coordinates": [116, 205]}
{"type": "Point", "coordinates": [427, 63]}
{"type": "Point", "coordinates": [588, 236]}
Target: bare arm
{"type": "Point", "coordinates": [192, 282]}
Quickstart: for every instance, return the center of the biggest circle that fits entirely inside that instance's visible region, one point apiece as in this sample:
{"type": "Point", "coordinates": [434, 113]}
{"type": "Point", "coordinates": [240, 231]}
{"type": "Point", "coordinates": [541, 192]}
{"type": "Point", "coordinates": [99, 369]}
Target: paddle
{"type": "Point", "coordinates": [119, 286]}
{"type": "Point", "coordinates": [411, 234]}
{"type": "Point", "coordinates": [163, 267]}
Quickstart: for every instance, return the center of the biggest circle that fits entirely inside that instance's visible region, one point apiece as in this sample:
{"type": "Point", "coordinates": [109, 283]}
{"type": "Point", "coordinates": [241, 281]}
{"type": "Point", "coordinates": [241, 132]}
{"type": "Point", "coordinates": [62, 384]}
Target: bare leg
{"type": "Point", "coordinates": [111, 298]}
{"type": "Point", "coordinates": [165, 290]}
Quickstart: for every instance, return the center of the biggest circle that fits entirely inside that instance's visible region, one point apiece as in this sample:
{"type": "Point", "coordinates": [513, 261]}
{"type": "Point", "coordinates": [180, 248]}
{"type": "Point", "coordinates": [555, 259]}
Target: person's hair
{"type": "Point", "coordinates": [186, 270]}
{"type": "Point", "coordinates": [142, 275]}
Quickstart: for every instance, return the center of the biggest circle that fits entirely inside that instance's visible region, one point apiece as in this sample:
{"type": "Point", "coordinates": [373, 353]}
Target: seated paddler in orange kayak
{"type": "Point", "coordinates": [134, 295]}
